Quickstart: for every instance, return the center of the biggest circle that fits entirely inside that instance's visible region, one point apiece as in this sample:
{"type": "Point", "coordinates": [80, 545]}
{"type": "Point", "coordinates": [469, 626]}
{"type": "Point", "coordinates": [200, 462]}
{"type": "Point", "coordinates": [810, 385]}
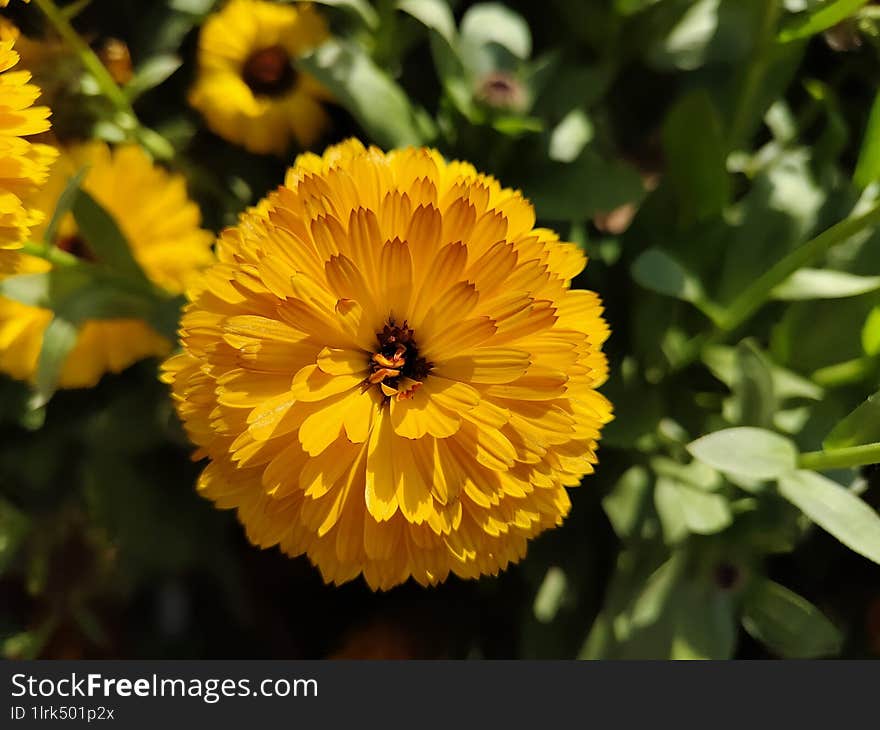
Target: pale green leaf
{"type": "Point", "coordinates": [486, 23]}
{"type": "Point", "coordinates": [62, 207]}
{"type": "Point", "coordinates": [378, 104]}
{"type": "Point", "coordinates": [835, 509]}
{"type": "Point", "coordinates": [58, 340]}
{"type": "Point", "coordinates": [626, 503]}
{"type": "Point", "coordinates": [656, 270]}
{"type": "Point", "coordinates": [151, 74]}
{"type": "Point", "coordinates": [821, 19]}
{"type": "Point", "coordinates": [868, 165]}
{"type": "Point", "coordinates": [361, 8]}
{"type": "Point", "coordinates": [752, 453]}
{"type": "Point", "coordinates": [570, 136]}
{"type": "Point", "coordinates": [433, 14]}
{"type": "Point", "coordinates": [104, 237]}
{"type": "Point", "coordinates": [860, 427]}
{"type": "Point", "coordinates": [686, 509]}
{"type": "Point", "coordinates": [550, 595]}
{"type": "Point", "coordinates": [871, 333]}
{"type": "Point", "coordinates": [788, 624]}
{"type": "Point", "coordinates": [824, 284]}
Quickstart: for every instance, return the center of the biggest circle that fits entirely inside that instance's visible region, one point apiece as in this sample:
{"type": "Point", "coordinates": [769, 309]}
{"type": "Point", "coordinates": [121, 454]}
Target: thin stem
{"type": "Point", "coordinates": [87, 56]}
{"type": "Point", "coordinates": [157, 145]}
{"type": "Point", "coordinates": [754, 296]}
{"type": "Point", "coordinates": [53, 254]}
{"type": "Point", "coordinates": [845, 458]}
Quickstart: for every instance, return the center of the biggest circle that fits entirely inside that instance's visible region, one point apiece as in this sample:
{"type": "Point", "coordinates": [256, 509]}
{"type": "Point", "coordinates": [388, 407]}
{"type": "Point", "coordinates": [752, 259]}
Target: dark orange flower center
{"type": "Point", "coordinates": [396, 366]}
{"type": "Point", "coordinates": [77, 246]}
{"type": "Point", "coordinates": [269, 71]}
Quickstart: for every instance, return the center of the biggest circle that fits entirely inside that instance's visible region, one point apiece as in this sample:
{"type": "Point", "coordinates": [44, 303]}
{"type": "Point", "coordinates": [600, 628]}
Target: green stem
{"type": "Point", "coordinates": [845, 458]}
{"type": "Point", "coordinates": [754, 296]}
{"type": "Point", "coordinates": [126, 118]}
{"type": "Point", "coordinates": [53, 254]}
{"type": "Point", "coordinates": [87, 56]}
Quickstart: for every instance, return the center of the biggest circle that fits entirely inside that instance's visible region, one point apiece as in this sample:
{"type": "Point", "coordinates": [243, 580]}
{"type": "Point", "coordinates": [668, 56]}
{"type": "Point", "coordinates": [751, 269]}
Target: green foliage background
{"type": "Point", "coordinates": [718, 160]}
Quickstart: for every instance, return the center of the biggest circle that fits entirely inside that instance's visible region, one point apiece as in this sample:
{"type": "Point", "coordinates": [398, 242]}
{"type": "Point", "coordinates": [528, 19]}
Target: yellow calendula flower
{"type": "Point", "coordinates": [24, 165]}
{"type": "Point", "coordinates": [161, 224]}
{"type": "Point", "coordinates": [389, 371]}
{"type": "Point", "coordinates": [247, 87]}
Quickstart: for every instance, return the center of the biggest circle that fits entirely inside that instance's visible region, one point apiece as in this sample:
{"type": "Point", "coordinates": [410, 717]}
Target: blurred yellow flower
{"type": "Point", "coordinates": [247, 87]}
{"type": "Point", "coordinates": [24, 165]}
{"type": "Point", "coordinates": [47, 58]}
{"type": "Point", "coordinates": [389, 371]}
{"type": "Point", "coordinates": [162, 226]}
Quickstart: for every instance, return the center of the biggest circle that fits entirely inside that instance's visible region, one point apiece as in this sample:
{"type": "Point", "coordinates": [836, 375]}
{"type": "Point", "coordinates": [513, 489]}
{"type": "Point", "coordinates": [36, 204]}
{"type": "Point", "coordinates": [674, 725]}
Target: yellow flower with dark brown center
{"type": "Point", "coordinates": [24, 165]}
{"type": "Point", "coordinates": [247, 87]}
{"type": "Point", "coordinates": [161, 224]}
{"type": "Point", "coordinates": [389, 371]}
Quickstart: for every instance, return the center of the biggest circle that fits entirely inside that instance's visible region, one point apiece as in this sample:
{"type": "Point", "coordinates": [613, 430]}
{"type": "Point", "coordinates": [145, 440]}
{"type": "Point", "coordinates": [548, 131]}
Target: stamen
{"type": "Point", "coordinates": [396, 366]}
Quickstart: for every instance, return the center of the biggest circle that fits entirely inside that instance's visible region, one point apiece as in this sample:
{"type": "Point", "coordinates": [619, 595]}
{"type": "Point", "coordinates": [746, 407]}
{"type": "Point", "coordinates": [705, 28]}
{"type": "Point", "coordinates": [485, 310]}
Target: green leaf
{"type": "Point", "coordinates": [436, 15]}
{"type": "Point", "coordinates": [704, 513]}
{"type": "Point", "coordinates": [433, 14]}
{"type": "Point", "coordinates": [751, 453]}
{"type": "Point", "coordinates": [688, 43]}
{"type": "Point", "coordinates": [14, 526]}
{"type": "Point", "coordinates": [824, 284]}
{"type": "Point", "coordinates": [516, 126]}
{"type": "Point", "coordinates": [871, 333]}
{"type": "Point", "coordinates": [631, 7]}
{"type": "Point", "coordinates": [657, 591]}
{"type": "Point", "coordinates": [362, 9]}
{"type": "Point", "coordinates": [668, 505]}
{"type": "Point", "coordinates": [787, 623]}
{"type": "Point", "coordinates": [193, 7]}
{"type": "Point", "coordinates": [694, 147]}
{"type": "Point", "coordinates": [579, 189]}
{"type": "Point", "coordinates": [570, 136]}
{"type": "Point", "coordinates": [151, 74]}
{"type": "Point", "coordinates": [705, 627]}
{"type": "Point", "coordinates": [754, 397]}
{"type": "Point", "coordinates": [821, 19]}
{"type": "Point", "coordinates": [58, 340]}
{"type": "Point", "coordinates": [62, 207]}
{"type": "Point", "coordinates": [378, 104]}
{"type": "Point", "coordinates": [696, 474]}
{"type": "Point", "coordinates": [44, 289]}
{"type": "Point", "coordinates": [835, 509]}
{"type": "Point", "coordinates": [860, 427]}
{"type": "Point", "coordinates": [105, 239]}
{"type": "Point", "coordinates": [550, 595]}
{"type": "Point", "coordinates": [686, 509]}
{"type": "Point", "coordinates": [80, 293]}
{"type": "Point", "coordinates": [723, 362]}
{"type": "Point", "coordinates": [487, 23]}
{"type": "Point", "coordinates": [868, 165]}
{"type": "Point", "coordinates": [656, 270]}
{"type": "Point", "coordinates": [625, 505]}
